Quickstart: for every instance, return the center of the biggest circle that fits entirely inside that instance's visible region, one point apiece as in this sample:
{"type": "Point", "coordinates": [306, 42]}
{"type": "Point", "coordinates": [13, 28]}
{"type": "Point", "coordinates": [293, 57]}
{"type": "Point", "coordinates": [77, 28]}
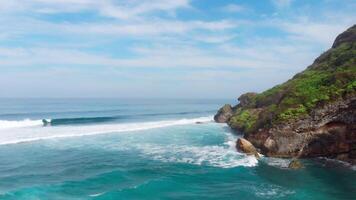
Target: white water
{"type": "Point", "coordinates": [223, 156]}
{"type": "Point", "coordinates": [4, 124]}
{"type": "Point", "coordinates": [217, 156]}
{"type": "Point", "coordinates": [12, 132]}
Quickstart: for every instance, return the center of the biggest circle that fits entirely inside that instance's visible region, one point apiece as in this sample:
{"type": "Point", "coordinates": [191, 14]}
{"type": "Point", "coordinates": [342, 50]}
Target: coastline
{"type": "Point", "coordinates": [311, 115]}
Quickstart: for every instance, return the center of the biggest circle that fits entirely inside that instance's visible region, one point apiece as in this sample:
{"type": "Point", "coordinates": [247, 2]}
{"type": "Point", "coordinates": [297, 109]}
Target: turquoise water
{"type": "Point", "coordinates": [144, 149]}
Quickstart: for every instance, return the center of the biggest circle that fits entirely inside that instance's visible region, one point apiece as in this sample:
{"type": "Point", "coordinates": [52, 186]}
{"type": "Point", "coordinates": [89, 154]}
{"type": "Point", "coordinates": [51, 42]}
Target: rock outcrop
{"type": "Point", "coordinates": [224, 114]}
{"type": "Point", "coordinates": [346, 37]}
{"type": "Point", "coordinates": [245, 146]}
{"type": "Point", "coordinates": [311, 115]}
{"type": "Point", "coordinates": [246, 99]}
{"type": "Point", "coordinates": [295, 164]}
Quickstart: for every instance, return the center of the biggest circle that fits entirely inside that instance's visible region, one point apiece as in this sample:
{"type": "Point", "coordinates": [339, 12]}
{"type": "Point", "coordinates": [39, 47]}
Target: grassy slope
{"type": "Point", "coordinates": [331, 77]}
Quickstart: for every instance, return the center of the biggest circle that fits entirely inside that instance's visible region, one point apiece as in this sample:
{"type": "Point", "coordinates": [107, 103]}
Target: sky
{"type": "Point", "coordinates": [161, 48]}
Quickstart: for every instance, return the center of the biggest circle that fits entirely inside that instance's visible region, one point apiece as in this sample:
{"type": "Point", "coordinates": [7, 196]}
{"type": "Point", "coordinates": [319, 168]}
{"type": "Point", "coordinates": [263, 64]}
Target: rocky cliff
{"type": "Point", "coordinates": [311, 115]}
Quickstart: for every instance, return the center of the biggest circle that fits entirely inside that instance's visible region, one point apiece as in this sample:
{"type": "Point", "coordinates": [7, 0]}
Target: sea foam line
{"type": "Point", "coordinates": [30, 133]}
{"type": "Point", "coordinates": [5, 124]}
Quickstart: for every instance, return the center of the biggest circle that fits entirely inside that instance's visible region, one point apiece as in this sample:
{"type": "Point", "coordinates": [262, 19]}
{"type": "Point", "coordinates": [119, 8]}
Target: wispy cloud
{"type": "Point", "coordinates": [260, 54]}
{"type": "Point", "coordinates": [233, 8]}
{"type": "Point", "coordinates": [282, 3]}
{"type": "Point", "coordinates": [158, 43]}
{"type": "Point", "coordinates": [107, 8]}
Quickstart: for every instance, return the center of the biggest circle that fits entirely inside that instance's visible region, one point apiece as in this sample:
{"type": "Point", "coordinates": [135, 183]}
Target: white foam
{"type": "Point", "coordinates": [97, 194]}
{"type": "Point", "coordinates": [4, 124]}
{"type": "Point", "coordinates": [224, 155]}
{"type": "Point", "coordinates": [34, 132]}
{"type": "Point", "coordinates": [217, 156]}
{"type": "Point", "coordinates": [231, 141]}
{"type": "Point", "coordinates": [271, 191]}
{"type": "Point", "coordinates": [278, 162]}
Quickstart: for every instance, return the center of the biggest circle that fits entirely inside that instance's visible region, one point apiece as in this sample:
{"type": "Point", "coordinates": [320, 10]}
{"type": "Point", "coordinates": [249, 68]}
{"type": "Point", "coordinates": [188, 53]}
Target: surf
{"type": "Point", "coordinates": [5, 124]}
{"type": "Point", "coordinates": [62, 121]}
{"type": "Point", "coordinates": [28, 131]}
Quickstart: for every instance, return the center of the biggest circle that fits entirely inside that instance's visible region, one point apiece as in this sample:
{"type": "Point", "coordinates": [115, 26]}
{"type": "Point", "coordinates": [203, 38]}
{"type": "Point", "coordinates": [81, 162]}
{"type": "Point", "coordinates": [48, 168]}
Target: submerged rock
{"type": "Point", "coordinates": [224, 114]}
{"type": "Point", "coordinates": [246, 147]}
{"type": "Point", "coordinates": [295, 164]}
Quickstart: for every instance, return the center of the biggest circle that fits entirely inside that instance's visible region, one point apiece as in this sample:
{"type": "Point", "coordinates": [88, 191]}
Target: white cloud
{"type": "Point", "coordinates": [132, 9]}
{"type": "Point", "coordinates": [138, 28]}
{"type": "Point", "coordinates": [108, 8]}
{"type": "Point", "coordinates": [314, 32]}
{"type": "Point", "coordinates": [233, 8]}
{"type": "Point", "coordinates": [323, 33]}
{"type": "Point", "coordinates": [202, 50]}
{"type": "Point", "coordinates": [258, 54]}
{"type": "Point", "coordinates": [282, 3]}
{"type": "Point", "coordinates": [215, 38]}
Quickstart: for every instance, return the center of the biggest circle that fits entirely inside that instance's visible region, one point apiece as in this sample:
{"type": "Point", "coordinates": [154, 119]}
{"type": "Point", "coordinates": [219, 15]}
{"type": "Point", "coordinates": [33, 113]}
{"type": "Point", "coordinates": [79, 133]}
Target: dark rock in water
{"type": "Point", "coordinates": [311, 115]}
{"type": "Point", "coordinates": [199, 123]}
{"type": "Point", "coordinates": [224, 114]}
{"type": "Point", "coordinates": [295, 164]}
{"type": "Point", "coordinates": [246, 147]}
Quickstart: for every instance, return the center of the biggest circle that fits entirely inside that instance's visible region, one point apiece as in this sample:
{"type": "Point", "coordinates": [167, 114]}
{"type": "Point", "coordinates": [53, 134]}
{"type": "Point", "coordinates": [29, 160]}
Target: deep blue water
{"type": "Point", "coordinates": [144, 149]}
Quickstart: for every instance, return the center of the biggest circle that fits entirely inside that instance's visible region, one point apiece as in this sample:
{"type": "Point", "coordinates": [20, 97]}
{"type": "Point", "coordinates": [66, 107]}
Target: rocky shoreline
{"type": "Point", "coordinates": [311, 115]}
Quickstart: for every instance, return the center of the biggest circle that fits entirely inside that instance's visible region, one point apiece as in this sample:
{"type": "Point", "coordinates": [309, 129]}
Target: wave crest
{"type": "Point", "coordinates": [41, 133]}
{"type": "Point", "coordinates": [4, 124]}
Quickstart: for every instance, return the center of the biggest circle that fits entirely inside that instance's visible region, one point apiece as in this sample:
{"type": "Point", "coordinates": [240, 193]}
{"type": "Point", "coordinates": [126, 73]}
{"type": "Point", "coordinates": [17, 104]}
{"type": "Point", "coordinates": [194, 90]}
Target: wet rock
{"type": "Point", "coordinates": [295, 164]}
{"type": "Point", "coordinates": [245, 146]}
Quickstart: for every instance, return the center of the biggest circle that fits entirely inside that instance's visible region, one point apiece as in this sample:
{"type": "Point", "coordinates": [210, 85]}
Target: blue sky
{"type": "Point", "coordinates": [161, 48]}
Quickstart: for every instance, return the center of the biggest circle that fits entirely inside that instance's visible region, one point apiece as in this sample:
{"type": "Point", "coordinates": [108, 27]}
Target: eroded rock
{"type": "Point", "coordinates": [224, 114]}
{"type": "Point", "coordinates": [247, 98]}
{"type": "Point", "coordinates": [245, 146]}
{"type": "Point", "coordinates": [295, 164]}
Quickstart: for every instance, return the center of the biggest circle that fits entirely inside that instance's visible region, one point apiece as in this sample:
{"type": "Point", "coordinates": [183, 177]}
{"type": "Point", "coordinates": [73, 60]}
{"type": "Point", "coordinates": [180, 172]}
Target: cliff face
{"type": "Point", "coordinates": [313, 114]}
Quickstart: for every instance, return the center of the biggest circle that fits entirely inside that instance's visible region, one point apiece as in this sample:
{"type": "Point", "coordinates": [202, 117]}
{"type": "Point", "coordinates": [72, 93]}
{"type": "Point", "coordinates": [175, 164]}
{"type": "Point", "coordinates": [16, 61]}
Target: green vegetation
{"type": "Point", "coordinates": [332, 76]}
{"type": "Point", "coordinates": [244, 120]}
{"type": "Point", "coordinates": [293, 113]}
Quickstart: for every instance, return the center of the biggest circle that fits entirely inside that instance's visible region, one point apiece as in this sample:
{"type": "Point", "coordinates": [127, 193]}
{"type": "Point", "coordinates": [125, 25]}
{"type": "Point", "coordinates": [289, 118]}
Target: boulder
{"type": "Point", "coordinates": [295, 164]}
{"type": "Point", "coordinates": [245, 146]}
{"type": "Point", "coordinates": [224, 114]}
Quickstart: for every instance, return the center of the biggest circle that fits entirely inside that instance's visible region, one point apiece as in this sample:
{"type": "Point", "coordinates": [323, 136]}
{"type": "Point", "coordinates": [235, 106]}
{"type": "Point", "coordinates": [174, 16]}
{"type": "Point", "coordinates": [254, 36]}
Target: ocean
{"type": "Point", "coordinates": [145, 149]}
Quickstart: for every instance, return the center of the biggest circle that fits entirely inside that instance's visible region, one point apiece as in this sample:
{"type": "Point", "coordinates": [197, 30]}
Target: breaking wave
{"type": "Point", "coordinates": [27, 130]}
{"type": "Point", "coordinates": [4, 124]}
